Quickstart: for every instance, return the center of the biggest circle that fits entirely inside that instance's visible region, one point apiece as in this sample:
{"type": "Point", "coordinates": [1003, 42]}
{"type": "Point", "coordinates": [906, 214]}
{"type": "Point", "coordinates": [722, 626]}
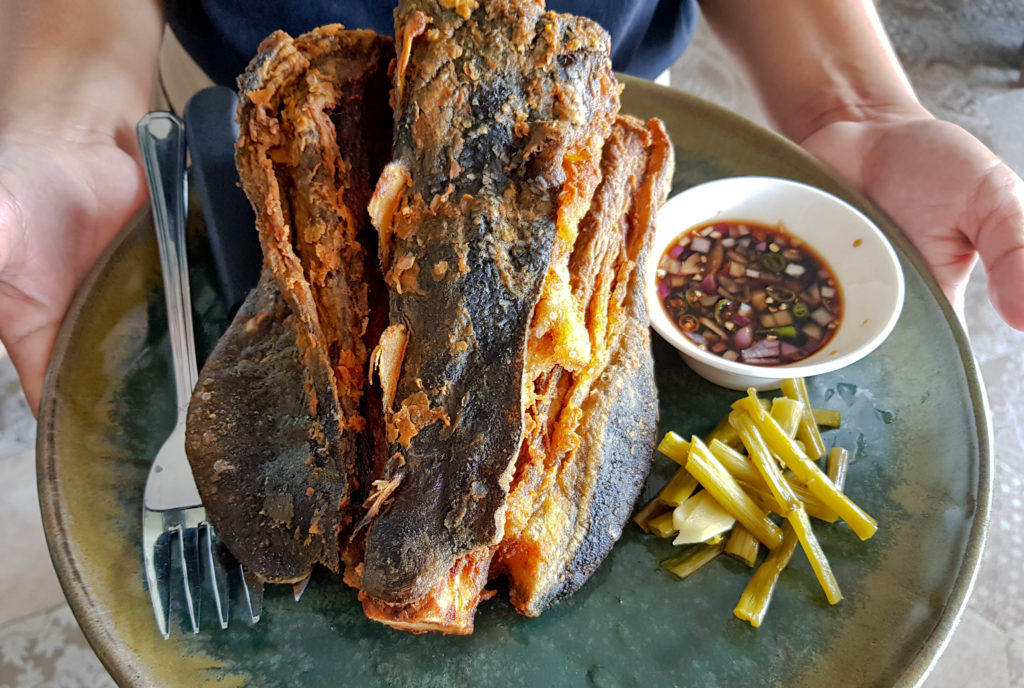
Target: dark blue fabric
{"type": "Point", "coordinates": [222, 35]}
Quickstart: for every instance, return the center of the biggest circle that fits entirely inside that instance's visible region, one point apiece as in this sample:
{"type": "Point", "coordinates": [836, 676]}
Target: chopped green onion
{"type": "Point", "coordinates": [772, 262]}
{"type": "Point", "coordinates": [788, 331]}
{"type": "Point", "coordinates": [719, 307]}
{"type": "Point", "coordinates": [836, 465]}
{"type": "Point", "coordinates": [827, 417]}
{"type": "Point", "coordinates": [787, 413]}
{"type": "Point", "coordinates": [675, 447]}
{"type": "Point", "coordinates": [677, 489]}
{"type": "Point", "coordinates": [757, 595]}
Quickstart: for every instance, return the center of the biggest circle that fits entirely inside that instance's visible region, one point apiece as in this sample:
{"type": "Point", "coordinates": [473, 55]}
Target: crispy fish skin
{"type": "Point", "coordinates": [274, 425]}
{"type": "Point", "coordinates": [501, 111]}
{"type": "Point", "coordinates": [579, 518]}
{"type": "Point", "coordinates": [263, 464]}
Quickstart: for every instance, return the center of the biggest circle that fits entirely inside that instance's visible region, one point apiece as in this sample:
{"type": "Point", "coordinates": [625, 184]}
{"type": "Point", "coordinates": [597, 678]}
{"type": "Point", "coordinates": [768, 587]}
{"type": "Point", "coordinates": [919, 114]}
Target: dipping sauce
{"type": "Point", "coordinates": [749, 292]}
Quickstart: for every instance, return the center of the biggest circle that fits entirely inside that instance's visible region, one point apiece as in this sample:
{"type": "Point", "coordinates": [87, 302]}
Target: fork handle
{"type": "Point", "coordinates": [162, 139]}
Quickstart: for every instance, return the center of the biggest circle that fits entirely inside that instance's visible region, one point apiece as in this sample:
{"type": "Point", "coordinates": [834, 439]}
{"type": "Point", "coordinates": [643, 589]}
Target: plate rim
{"type": "Point", "coordinates": [107, 646]}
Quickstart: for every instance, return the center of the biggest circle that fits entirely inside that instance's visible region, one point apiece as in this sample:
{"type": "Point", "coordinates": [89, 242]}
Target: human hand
{"type": "Point", "coordinates": [65, 191]}
{"type": "Point", "coordinates": [951, 195]}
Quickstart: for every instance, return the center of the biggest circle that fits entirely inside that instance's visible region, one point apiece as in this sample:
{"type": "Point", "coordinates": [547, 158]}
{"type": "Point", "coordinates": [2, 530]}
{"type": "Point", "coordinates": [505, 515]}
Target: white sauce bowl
{"type": "Point", "coordinates": [863, 261]}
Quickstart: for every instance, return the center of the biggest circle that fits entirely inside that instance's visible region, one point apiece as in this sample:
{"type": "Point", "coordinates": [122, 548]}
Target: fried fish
{"type": "Point", "coordinates": [499, 306]}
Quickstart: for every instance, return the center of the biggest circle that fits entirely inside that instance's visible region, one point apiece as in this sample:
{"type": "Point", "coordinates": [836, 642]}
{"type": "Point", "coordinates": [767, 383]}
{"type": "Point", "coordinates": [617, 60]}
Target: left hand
{"type": "Point", "coordinates": [951, 195]}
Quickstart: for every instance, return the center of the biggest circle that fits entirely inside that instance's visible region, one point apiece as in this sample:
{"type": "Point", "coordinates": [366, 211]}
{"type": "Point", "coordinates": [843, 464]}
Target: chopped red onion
{"type": "Point", "coordinates": [743, 337]}
{"type": "Point", "coordinates": [769, 360]}
{"type": "Point", "coordinates": [812, 295]}
{"type": "Point", "coordinates": [821, 316]}
{"type": "Point", "coordinates": [765, 348]}
{"type": "Point", "coordinates": [663, 289]}
{"type": "Point", "coordinates": [808, 349]}
{"type": "Point", "coordinates": [701, 244]}
{"type": "Point", "coordinates": [675, 251]}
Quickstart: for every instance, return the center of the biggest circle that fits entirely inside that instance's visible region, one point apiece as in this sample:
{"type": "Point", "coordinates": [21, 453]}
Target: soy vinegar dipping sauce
{"type": "Point", "coordinates": [749, 292]}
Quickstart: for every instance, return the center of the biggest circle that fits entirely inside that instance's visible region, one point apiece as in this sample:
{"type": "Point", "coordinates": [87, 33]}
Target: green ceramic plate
{"type": "Point", "coordinates": [915, 422]}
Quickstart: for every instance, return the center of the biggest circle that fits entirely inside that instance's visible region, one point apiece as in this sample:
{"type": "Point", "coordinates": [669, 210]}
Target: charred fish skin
{"type": "Point", "coordinates": [499, 106]}
{"type": "Point", "coordinates": [263, 464]}
{"type": "Point", "coordinates": [622, 409]}
{"type": "Point", "coordinates": [274, 426]}
{"type": "Point", "coordinates": [625, 409]}
{"type": "Point", "coordinates": [604, 428]}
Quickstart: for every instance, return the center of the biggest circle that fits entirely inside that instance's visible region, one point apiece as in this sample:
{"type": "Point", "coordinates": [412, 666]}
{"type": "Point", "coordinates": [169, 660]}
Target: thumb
{"type": "Point", "coordinates": [23, 345]}
{"type": "Point", "coordinates": [997, 211]}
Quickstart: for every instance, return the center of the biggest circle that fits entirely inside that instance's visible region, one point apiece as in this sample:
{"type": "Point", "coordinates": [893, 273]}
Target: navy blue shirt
{"type": "Point", "coordinates": [222, 35]}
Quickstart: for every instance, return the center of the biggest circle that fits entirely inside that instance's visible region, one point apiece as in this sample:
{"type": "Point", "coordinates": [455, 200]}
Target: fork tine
{"type": "Point", "coordinates": [300, 587]}
{"type": "Point", "coordinates": [157, 568]}
{"type": "Point", "coordinates": [188, 553]}
{"type": "Point", "coordinates": [253, 594]}
{"type": "Point", "coordinates": [218, 574]}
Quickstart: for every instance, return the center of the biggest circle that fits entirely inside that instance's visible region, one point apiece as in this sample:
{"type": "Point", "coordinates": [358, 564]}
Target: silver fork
{"type": "Point", "coordinates": [172, 509]}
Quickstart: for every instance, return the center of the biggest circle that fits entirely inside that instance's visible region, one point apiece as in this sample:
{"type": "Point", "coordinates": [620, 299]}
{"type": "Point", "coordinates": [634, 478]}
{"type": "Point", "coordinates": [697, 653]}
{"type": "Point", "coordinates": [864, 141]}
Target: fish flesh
{"type": "Point", "coordinates": [275, 432]}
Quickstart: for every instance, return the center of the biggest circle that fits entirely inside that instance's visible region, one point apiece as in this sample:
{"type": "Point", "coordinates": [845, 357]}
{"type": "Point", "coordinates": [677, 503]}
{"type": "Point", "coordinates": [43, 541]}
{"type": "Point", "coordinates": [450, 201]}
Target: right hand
{"type": "Point", "coordinates": [67, 185]}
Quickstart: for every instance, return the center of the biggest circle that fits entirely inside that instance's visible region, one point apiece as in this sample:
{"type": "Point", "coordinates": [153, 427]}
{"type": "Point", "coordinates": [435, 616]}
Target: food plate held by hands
{"type": "Point", "coordinates": [921, 465]}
